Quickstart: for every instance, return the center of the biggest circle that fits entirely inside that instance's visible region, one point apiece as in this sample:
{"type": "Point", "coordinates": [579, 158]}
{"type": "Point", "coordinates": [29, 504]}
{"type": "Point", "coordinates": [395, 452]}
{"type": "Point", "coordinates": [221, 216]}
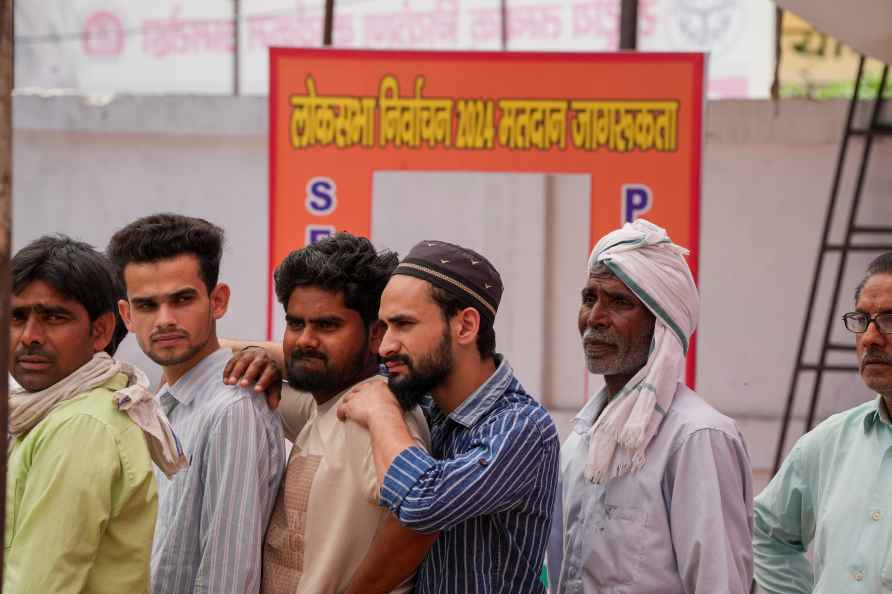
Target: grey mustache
{"type": "Point", "coordinates": [591, 335]}
{"type": "Point", "coordinates": [875, 357]}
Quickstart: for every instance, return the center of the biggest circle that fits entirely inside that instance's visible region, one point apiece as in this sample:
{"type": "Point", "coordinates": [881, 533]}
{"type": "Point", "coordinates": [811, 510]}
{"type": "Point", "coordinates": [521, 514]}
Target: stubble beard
{"type": "Point", "coordinates": [178, 359]}
{"type": "Point", "coordinates": [630, 356]}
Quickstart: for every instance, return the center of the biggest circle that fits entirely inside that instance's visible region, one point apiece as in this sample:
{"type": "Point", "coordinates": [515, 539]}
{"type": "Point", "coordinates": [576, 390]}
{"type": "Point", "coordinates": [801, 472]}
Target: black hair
{"type": "Point", "coordinates": [76, 270]}
{"type": "Point", "coordinates": [165, 236]}
{"type": "Point", "coordinates": [451, 305]}
{"type": "Point", "coordinates": [339, 263]}
{"type": "Point", "coordinates": [882, 264]}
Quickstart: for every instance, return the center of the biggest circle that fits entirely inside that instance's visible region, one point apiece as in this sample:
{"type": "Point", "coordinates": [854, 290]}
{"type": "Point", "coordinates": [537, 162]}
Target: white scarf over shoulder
{"type": "Point", "coordinates": [27, 409]}
{"type": "Point", "coordinates": [642, 256]}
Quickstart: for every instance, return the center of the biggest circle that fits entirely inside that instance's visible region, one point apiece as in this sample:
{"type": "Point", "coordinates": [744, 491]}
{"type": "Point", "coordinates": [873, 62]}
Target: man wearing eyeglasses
{"type": "Point", "coordinates": [834, 490]}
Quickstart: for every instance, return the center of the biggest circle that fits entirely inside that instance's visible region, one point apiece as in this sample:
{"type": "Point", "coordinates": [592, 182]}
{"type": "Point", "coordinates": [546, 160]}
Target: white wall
{"type": "Point", "coordinates": [86, 167]}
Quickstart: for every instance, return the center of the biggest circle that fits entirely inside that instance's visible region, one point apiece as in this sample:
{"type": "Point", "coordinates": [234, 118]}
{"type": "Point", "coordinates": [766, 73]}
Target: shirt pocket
{"type": "Point", "coordinates": [617, 535]}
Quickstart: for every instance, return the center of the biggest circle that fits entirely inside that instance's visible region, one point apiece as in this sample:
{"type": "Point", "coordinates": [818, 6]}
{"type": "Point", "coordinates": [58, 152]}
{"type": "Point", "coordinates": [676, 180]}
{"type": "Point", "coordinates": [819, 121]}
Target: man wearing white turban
{"type": "Point", "coordinates": [656, 486]}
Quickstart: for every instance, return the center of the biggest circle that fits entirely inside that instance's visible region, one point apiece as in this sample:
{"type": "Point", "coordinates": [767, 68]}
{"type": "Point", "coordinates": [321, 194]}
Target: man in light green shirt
{"type": "Point", "coordinates": [81, 502]}
{"type": "Point", "coordinates": [834, 490]}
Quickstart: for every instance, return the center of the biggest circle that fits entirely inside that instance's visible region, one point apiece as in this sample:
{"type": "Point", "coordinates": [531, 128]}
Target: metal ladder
{"type": "Point", "coordinates": [874, 129]}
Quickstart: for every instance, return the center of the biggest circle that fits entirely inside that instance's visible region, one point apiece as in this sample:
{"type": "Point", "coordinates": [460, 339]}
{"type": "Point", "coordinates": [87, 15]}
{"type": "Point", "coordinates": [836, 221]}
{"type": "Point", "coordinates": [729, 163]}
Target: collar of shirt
{"type": "Point", "coordinates": [583, 421]}
{"type": "Point", "coordinates": [326, 406]}
{"type": "Point", "coordinates": [481, 400]}
{"type": "Point", "coordinates": [183, 390]}
{"type": "Point", "coordinates": [877, 414]}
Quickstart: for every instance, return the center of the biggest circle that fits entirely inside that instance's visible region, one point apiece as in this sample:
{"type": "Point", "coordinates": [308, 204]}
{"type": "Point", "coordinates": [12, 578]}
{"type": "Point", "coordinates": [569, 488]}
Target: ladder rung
{"type": "Point", "coordinates": [828, 368]}
{"type": "Point", "coordinates": [876, 130]}
{"type": "Point", "coordinates": [864, 247]}
{"type": "Point", "coordinates": [867, 229]}
{"type": "Point", "coordinates": [835, 346]}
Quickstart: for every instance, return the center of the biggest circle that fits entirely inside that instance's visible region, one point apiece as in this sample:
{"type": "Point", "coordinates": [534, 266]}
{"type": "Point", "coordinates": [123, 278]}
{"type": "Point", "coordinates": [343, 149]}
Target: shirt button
{"type": "Point", "coordinates": [859, 575]}
{"type": "Point", "coordinates": [876, 516]}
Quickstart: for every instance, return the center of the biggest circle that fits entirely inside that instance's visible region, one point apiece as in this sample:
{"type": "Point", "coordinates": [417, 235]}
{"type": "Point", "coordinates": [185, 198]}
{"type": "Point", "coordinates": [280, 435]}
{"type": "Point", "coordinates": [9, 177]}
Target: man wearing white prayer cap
{"type": "Point", "coordinates": [656, 486]}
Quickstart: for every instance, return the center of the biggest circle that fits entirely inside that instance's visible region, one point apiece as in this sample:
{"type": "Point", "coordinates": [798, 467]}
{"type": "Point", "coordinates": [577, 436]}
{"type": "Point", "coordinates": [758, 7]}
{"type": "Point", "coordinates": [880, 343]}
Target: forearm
{"type": "Point", "coordinates": [390, 436]}
{"type": "Point", "coordinates": [235, 501]}
{"type": "Point", "coordinates": [47, 572]}
{"type": "Point", "coordinates": [217, 572]}
{"type": "Point", "coordinates": [783, 527]}
{"type": "Point", "coordinates": [430, 495]}
{"type": "Point", "coordinates": [780, 567]}
{"type": "Point", "coordinates": [273, 349]}
{"type": "Point", "coordinates": [395, 554]}
{"type": "Point", "coordinates": [231, 547]}
{"type": "Point", "coordinates": [711, 514]}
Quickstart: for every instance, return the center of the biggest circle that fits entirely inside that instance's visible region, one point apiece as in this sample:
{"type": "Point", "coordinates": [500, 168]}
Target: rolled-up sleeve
{"type": "Point", "coordinates": [709, 482]}
{"type": "Point", "coordinates": [784, 526]}
{"type": "Point", "coordinates": [429, 495]}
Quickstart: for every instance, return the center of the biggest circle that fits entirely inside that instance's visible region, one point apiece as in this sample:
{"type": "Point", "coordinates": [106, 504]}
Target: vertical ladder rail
{"type": "Point", "coordinates": [816, 277]}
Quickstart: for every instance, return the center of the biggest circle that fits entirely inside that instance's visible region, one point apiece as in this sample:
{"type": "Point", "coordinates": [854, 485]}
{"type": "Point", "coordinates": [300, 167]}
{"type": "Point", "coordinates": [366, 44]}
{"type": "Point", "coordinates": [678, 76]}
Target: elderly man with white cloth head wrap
{"type": "Point", "coordinates": [656, 493]}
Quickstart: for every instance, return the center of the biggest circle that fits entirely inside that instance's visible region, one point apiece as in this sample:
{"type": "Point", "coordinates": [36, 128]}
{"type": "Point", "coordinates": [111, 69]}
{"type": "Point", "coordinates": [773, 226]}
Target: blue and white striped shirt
{"type": "Point", "coordinates": [488, 486]}
{"type": "Point", "coordinates": [212, 516]}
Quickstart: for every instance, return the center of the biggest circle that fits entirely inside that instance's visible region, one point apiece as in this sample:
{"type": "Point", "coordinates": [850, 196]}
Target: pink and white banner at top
{"type": "Point", "coordinates": [169, 46]}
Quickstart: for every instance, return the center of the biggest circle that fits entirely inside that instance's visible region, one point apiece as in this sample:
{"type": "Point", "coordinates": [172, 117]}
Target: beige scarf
{"type": "Point", "coordinates": [27, 409]}
{"type": "Point", "coordinates": [642, 256]}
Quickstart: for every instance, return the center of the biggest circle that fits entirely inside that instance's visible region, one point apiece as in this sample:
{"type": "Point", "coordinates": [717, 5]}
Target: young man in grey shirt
{"type": "Point", "coordinates": [213, 516]}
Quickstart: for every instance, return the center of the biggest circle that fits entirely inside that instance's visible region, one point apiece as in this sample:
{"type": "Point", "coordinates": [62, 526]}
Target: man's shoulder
{"type": "Point", "coordinates": [690, 413]}
{"type": "Point", "coordinates": [221, 400]}
{"type": "Point", "coordinates": [836, 426]}
{"type": "Point", "coordinates": [214, 399]}
{"type": "Point", "coordinates": [846, 418]}
{"type": "Point", "coordinates": [92, 417]}
{"type": "Point", "coordinates": [417, 423]}
{"type": "Point", "coordinates": [518, 406]}
{"type": "Point", "coordinates": [97, 404]}
{"type": "Point", "coordinates": [360, 437]}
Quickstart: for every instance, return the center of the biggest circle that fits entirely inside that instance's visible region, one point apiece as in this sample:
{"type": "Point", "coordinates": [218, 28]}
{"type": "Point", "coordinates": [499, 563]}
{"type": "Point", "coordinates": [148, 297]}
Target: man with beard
{"type": "Point", "coordinates": [212, 517]}
{"type": "Point", "coordinates": [80, 503]}
{"type": "Point", "coordinates": [326, 518]}
{"type": "Point", "coordinates": [488, 485]}
{"type": "Point", "coordinates": [656, 484]}
{"type": "Point", "coordinates": [833, 490]}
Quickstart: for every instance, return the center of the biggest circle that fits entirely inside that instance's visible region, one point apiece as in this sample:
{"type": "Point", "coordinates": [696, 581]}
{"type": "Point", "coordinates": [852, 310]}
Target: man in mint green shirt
{"type": "Point", "coordinates": [81, 502]}
{"type": "Point", "coordinates": [834, 490]}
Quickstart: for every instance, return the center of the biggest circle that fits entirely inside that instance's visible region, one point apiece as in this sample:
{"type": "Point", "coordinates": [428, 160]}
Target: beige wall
{"type": "Point", "coordinates": [87, 166]}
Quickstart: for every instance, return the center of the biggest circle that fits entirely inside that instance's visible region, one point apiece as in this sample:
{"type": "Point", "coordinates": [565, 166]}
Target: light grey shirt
{"type": "Point", "coordinates": [213, 515]}
{"type": "Point", "coordinates": [683, 524]}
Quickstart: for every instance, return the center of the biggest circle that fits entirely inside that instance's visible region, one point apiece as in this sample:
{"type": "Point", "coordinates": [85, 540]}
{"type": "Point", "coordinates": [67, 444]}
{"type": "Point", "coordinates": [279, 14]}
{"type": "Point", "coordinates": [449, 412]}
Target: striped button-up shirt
{"type": "Point", "coordinates": [212, 516]}
{"type": "Point", "coordinates": [488, 486]}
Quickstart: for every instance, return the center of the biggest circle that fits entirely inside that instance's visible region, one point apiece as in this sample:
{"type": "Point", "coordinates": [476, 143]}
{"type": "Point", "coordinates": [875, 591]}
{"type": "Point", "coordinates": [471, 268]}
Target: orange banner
{"type": "Point", "coordinates": [632, 121]}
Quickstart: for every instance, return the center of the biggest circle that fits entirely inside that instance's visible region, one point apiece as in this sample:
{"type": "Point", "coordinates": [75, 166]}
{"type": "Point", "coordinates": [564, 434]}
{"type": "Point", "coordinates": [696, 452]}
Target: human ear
{"type": "Point", "coordinates": [466, 326]}
{"type": "Point", "coordinates": [220, 300]}
{"type": "Point", "coordinates": [124, 310]}
{"type": "Point", "coordinates": [102, 329]}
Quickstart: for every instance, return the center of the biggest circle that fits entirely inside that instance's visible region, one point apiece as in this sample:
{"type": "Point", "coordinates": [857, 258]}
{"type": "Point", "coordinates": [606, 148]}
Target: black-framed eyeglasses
{"type": "Point", "coordinates": [858, 322]}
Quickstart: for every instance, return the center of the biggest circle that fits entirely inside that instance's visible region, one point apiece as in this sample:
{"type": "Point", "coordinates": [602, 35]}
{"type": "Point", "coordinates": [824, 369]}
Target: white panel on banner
{"type": "Point", "coordinates": [173, 46]}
